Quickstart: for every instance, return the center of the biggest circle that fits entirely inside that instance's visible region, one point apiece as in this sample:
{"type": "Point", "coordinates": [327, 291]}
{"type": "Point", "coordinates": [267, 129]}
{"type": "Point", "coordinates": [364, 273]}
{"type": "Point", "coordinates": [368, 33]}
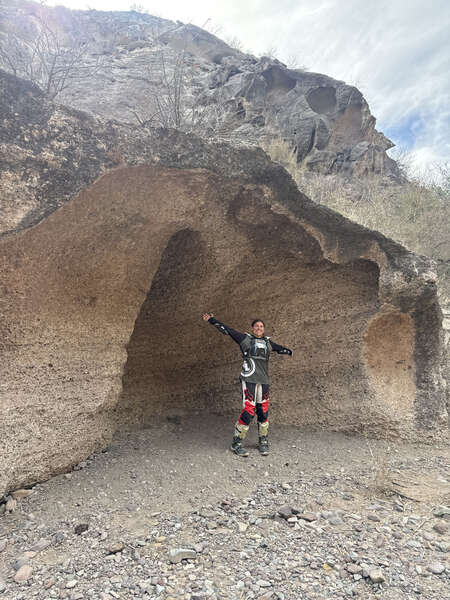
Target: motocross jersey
{"type": "Point", "coordinates": [255, 352]}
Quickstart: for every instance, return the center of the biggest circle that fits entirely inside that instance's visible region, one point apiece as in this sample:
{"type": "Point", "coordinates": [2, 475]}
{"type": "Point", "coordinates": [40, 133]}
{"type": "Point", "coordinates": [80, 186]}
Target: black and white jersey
{"type": "Point", "coordinates": [255, 352]}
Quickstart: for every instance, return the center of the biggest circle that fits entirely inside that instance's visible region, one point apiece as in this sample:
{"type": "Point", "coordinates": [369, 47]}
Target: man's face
{"type": "Point", "coordinates": [258, 329]}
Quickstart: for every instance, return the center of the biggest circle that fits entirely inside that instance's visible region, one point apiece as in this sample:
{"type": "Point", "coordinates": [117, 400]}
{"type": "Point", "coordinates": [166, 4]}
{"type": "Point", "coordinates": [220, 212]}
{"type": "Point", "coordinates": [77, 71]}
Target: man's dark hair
{"type": "Point", "coordinates": [258, 321]}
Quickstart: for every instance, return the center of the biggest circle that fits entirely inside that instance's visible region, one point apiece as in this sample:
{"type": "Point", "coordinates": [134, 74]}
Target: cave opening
{"type": "Point", "coordinates": [178, 366]}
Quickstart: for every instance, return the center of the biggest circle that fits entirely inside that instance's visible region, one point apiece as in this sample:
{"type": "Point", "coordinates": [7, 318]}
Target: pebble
{"type": "Point", "coordinates": [443, 546]}
{"type": "Point", "coordinates": [81, 528]}
{"type": "Point", "coordinates": [176, 555]}
{"type": "Point", "coordinates": [441, 527]}
{"type": "Point", "coordinates": [436, 567]}
{"type": "Point", "coordinates": [285, 511]}
{"type": "Point", "coordinates": [441, 511]}
{"type": "Point", "coordinates": [23, 574]}
{"type": "Point", "coordinates": [40, 546]}
{"type": "Point", "coordinates": [373, 517]}
{"type": "Point", "coordinates": [308, 516]}
{"type": "Point", "coordinates": [2, 586]}
{"type": "Point", "coordinates": [116, 547]}
{"type": "Point", "coordinates": [376, 575]}
{"type": "Point", "coordinates": [24, 559]}
{"type": "Point", "coordinates": [71, 584]}
{"type": "Point", "coordinates": [49, 583]}
{"type": "Point", "coordinates": [335, 520]}
{"type": "Point", "coordinates": [352, 568]}
{"type": "Point", "coordinates": [414, 544]}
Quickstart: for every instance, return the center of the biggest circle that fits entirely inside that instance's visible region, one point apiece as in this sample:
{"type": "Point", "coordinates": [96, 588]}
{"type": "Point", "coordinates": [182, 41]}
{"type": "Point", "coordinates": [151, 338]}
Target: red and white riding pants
{"type": "Point", "coordinates": [255, 399]}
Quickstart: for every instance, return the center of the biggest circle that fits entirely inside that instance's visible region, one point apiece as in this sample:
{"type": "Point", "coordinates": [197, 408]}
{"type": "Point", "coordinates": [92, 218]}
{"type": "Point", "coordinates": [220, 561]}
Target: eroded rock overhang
{"type": "Point", "coordinates": [115, 240]}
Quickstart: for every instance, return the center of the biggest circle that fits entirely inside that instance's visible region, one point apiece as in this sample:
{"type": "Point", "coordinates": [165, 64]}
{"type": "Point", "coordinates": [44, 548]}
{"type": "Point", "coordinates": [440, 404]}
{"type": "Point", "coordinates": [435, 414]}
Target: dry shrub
{"type": "Point", "coordinates": [381, 479]}
{"type": "Point", "coordinates": [415, 213]}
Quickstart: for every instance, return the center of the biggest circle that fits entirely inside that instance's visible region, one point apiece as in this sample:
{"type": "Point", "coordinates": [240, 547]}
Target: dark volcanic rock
{"type": "Point", "coordinates": [139, 63]}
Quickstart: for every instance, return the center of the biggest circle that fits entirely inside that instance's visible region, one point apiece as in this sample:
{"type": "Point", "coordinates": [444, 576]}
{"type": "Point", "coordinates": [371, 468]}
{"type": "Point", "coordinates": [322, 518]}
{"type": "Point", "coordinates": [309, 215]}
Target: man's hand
{"type": "Point", "coordinates": [207, 316]}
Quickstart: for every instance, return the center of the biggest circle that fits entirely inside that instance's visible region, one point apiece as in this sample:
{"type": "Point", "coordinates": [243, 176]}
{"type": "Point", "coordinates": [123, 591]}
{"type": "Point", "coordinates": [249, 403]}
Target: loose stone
{"type": "Point", "coordinates": [436, 568]}
{"type": "Point", "coordinates": [81, 528]}
{"type": "Point", "coordinates": [116, 547]}
{"type": "Point", "coordinates": [441, 527]}
{"type": "Point", "coordinates": [285, 511]}
{"type": "Point", "coordinates": [41, 545]}
{"type": "Point", "coordinates": [376, 575]}
{"type": "Point", "coordinates": [441, 511]}
{"type": "Point", "coordinates": [23, 574]}
{"type": "Point", "coordinates": [307, 516]}
{"type": "Point", "coordinates": [24, 559]}
{"type": "Point", "coordinates": [373, 517]}
{"type": "Point", "coordinates": [352, 568]}
{"type": "Point", "coordinates": [176, 555]}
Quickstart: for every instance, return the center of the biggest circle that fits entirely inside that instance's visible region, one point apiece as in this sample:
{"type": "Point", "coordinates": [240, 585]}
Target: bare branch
{"type": "Point", "coordinates": [44, 56]}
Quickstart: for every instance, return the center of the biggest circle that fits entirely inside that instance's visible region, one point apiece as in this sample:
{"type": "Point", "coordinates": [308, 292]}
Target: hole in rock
{"type": "Point", "coordinates": [390, 362]}
{"type": "Point", "coordinates": [278, 82]}
{"type": "Point", "coordinates": [162, 352]}
{"type": "Point", "coordinates": [322, 99]}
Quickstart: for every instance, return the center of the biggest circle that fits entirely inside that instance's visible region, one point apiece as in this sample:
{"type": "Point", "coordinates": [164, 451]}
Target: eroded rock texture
{"type": "Point", "coordinates": [143, 63]}
{"type": "Point", "coordinates": [116, 239]}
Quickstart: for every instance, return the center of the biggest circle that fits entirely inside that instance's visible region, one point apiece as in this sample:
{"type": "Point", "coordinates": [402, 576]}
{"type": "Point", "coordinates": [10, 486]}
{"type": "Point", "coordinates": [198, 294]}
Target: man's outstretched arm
{"type": "Point", "coordinates": [237, 336]}
{"type": "Point", "coordinates": [280, 349]}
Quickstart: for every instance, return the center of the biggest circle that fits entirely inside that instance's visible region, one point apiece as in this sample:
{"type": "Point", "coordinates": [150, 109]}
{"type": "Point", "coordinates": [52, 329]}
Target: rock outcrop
{"type": "Point", "coordinates": [116, 238]}
{"type": "Point", "coordinates": [143, 68]}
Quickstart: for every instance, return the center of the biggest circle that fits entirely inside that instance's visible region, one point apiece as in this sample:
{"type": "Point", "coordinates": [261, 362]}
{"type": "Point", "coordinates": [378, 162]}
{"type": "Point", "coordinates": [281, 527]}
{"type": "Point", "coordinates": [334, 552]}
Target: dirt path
{"type": "Point", "coordinates": [148, 491]}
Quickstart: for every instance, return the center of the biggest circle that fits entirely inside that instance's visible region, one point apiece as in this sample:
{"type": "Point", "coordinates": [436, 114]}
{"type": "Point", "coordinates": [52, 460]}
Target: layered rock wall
{"type": "Point", "coordinates": [161, 73]}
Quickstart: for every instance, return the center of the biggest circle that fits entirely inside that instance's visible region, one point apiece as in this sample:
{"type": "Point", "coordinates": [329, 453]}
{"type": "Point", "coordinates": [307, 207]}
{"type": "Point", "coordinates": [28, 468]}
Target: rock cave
{"type": "Point", "coordinates": [105, 277]}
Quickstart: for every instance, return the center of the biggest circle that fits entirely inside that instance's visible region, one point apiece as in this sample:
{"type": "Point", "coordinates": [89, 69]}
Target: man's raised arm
{"type": "Point", "coordinates": [237, 336]}
{"type": "Point", "coordinates": [280, 349]}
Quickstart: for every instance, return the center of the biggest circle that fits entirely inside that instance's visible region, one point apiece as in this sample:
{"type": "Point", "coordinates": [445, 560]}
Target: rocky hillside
{"type": "Point", "coordinates": [137, 68]}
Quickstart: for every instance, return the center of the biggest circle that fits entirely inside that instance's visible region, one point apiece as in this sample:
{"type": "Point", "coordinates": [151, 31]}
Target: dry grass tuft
{"type": "Point", "coordinates": [415, 213]}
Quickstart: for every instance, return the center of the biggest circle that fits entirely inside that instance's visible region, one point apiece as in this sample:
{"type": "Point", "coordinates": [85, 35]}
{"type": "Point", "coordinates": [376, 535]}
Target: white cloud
{"type": "Point", "coordinates": [396, 51]}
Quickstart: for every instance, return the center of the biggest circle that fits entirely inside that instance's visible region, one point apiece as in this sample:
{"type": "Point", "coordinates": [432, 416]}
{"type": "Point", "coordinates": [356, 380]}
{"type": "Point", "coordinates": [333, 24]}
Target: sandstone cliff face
{"type": "Point", "coordinates": [162, 73]}
{"type": "Point", "coordinates": [116, 238]}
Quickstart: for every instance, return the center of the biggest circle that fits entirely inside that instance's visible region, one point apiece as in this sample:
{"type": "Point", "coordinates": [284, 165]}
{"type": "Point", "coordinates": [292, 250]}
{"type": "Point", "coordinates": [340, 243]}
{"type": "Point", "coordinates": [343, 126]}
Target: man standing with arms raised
{"type": "Point", "coordinates": [254, 377]}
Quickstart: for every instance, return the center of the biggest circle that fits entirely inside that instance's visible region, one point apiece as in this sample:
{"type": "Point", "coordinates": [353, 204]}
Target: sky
{"type": "Point", "coordinates": [397, 52]}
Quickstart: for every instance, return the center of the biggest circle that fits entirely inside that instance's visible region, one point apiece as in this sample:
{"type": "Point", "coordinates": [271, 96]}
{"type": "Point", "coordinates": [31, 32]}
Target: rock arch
{"type": "Point", "coordinates": [176, 227]}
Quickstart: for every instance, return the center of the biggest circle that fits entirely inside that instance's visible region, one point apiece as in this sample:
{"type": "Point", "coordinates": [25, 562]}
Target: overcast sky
{"type": "Point", "coordinates": [397, 52]}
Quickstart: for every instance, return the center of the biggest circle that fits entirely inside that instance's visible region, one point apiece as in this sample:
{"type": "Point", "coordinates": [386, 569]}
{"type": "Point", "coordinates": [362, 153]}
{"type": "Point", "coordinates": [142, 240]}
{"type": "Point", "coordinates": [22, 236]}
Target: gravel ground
{"type": "Point", "coordinates": [170, 513]}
